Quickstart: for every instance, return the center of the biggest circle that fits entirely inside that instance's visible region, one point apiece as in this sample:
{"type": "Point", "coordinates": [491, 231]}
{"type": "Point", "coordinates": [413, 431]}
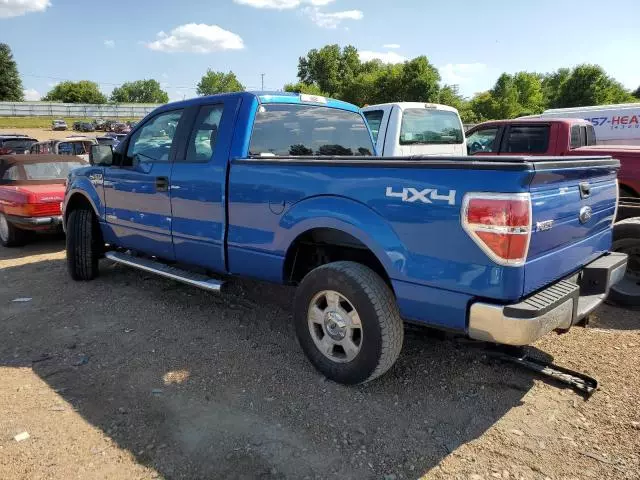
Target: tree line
{"type": "Point", "coordinates": [340, 73]}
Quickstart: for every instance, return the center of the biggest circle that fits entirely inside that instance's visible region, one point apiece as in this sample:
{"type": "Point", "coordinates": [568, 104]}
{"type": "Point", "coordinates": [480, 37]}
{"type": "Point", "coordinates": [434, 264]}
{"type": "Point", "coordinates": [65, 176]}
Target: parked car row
{"type": "Point", "coordinates": [98, 124]}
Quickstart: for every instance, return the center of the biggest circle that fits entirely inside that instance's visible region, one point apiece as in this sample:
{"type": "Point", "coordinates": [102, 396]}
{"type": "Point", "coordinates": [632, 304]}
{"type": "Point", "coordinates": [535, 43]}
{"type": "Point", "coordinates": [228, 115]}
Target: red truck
{"type": "Point", "coordinates": [554, 136]}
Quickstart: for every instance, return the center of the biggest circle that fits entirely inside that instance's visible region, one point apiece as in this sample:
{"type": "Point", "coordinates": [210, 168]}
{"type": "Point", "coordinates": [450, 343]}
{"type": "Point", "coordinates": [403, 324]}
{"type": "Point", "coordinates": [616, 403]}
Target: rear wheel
{"type": "Point", "coordinates": [347, 322]}
{"type": "Point", "coordinates": [626, 239]}
{"type": "Point", "coordinates": [10, 236]}
{"type": "Point", "coordinates": [83, 244]}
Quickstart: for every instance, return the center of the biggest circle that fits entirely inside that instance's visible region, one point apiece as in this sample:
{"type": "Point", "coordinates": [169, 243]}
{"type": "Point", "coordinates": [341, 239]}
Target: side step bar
{"type": "Point", "coordinates": [147, 265]}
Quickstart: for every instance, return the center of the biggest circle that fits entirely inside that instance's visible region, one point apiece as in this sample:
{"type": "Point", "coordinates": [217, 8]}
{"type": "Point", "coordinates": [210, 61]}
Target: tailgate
{"type": "Point", "coordinates": [573, 206]}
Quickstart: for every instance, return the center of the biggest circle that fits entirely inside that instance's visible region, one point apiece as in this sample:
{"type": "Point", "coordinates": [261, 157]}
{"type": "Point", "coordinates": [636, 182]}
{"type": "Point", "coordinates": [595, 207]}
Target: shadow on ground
{"type": "Point", "coordinates": [205, 386]}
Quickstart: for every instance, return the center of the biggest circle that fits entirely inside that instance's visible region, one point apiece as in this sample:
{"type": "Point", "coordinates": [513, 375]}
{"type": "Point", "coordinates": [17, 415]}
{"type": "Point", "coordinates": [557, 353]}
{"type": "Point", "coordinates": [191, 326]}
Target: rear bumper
{"type": "Point", "coordinates": [36, 223]}
{"type": "Point", "coordinates": [558, 306]}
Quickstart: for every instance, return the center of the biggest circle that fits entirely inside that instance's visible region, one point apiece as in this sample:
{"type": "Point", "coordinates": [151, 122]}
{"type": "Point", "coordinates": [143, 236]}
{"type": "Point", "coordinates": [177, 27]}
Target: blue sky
{"type": "Point", "coordinates": [175, 42]}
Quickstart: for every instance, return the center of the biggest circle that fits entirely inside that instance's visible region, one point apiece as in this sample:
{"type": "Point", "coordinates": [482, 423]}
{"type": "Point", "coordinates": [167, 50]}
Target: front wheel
{"type": "Point", "coordinates": [347, 322]}
{"type": "Point", "coordinates": [83, 245]}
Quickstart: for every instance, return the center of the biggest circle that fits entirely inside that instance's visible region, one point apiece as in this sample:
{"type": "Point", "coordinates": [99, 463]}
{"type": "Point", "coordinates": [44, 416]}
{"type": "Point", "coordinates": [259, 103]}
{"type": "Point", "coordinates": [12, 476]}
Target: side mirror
{"type": "Point", "coordinates": [101, 155]}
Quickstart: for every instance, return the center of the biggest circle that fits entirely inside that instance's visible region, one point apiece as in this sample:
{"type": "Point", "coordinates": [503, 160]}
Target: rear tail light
{"type": "Point", "coordinates": [500, 224]}
{"type": "Point", "coordinates": [5, 151]}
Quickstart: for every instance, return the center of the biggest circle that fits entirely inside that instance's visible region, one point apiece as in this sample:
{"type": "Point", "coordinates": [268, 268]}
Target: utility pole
{"type": "Point", "coordinates": [262, 75]}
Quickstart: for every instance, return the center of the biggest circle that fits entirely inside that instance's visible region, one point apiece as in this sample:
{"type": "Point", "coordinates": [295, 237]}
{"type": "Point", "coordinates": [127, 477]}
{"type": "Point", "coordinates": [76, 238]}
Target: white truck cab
{"type": "Point", "coordinates": [410, 128]}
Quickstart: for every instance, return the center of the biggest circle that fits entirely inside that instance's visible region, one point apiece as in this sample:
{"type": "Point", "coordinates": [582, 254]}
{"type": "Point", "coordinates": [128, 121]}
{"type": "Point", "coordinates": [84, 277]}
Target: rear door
{"type": "Point", "coordinates": [198, 181]}
{"type": "Point", "coordinates": [137, 202]}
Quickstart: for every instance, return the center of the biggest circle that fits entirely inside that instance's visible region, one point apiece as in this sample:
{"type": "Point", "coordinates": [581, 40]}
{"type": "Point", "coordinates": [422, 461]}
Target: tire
{"type": "Point", "coordinates": [83, 245]}
{"type": "Point", "coordinates": [359, 290]}
{"type": "Point", "coordinates": [10, 236]}
{"type": "Point", "coordinates": [626, 239]}
{"type": "Point", "coordinates": [626, 192]}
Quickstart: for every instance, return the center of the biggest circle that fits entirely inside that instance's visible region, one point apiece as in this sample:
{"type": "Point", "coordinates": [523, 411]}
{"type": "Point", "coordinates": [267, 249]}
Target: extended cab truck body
{"type": "Point", "coordinates": [551, 136]}
{"type": "Point", "coordinates": [285, 188]}
{"type": "Point", "coordinates": [410, 129]}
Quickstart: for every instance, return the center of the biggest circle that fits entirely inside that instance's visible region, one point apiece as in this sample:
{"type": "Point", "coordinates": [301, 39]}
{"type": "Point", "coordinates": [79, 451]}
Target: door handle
{"type": "Point", "coordinates": [162, 184]}
{"type": "Point", "coordinates": [585, 190]}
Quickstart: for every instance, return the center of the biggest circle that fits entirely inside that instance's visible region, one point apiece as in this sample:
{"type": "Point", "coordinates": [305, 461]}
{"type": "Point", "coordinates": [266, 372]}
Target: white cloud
{"type": "Point", "coordinates": [109, 43]}
{"type": "Point", "coordinates": [31, 94]}
{"type": "Point", "coordinates": [333, 19]}
{"type": "Point", "coordinates": [470, 77]}
{"type": "Point", "coordinates": [197, 38]}
{"type": "Point", "coordinates": [391, 45]}
{"type": "Point", "coordinates": [15, 8]}
{"type": "Point", "coordinates": [385, 57]}
{"type": "Point", "coordinates": [282, 4]}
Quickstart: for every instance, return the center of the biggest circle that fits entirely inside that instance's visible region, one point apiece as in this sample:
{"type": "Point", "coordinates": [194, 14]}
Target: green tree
{"type": "Point", "coordinates": [140, 91]}
{"type": "Point", "coordinates": [420, 81]}
{"type": "Point", "coordinates": [531, 98]}
{"type": "Point", "coordinates": [330, 68]}
{"type": "Point", "coordinates": [10, 83]}
{"type": "Point", "coordinates": [551, 85]}
{"type": "Point", "coordinates": [302, 87]}
{"type": "Point", "coordinates": [484, 106]}
{"type": "Point", "coordinates": [83, 91]}
{"type": "Point", "coordinates": [636, 93]}
{"type": "Point", "coordinates": [590, 85]}
{"type": "Point", "coordinates": [219, 82]}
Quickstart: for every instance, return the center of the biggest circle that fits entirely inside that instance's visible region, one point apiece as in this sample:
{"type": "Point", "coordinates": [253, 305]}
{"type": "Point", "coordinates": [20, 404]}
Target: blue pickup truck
{"type": "Point", "coordinates": [286, 188]}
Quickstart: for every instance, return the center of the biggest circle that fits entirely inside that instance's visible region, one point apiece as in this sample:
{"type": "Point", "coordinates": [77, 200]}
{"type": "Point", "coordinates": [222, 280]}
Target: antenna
{"type": "Point", "coordinates": [262, 75]}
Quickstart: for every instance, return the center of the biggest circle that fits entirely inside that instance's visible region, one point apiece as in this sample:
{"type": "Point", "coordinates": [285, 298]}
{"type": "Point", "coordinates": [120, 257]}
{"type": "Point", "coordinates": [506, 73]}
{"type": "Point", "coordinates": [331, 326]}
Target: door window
{"type": "Point", "coordinates": [374, 119]}
{"type": "Point", "coordinates": [483, 141]}
{"type": "Point", "coordinates": [152, 142]}
{"type": "Point", "coordinates": [202, 143]}
{"type": "Point", "coordinates": [527, 139]}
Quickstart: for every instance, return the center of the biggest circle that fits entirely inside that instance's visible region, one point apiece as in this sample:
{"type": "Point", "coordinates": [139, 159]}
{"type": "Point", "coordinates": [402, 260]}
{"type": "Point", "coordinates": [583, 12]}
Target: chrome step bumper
{"type": "Point", "coordinates": [167, 271]}
{"type": "Point", "coordinates": [556, 307]}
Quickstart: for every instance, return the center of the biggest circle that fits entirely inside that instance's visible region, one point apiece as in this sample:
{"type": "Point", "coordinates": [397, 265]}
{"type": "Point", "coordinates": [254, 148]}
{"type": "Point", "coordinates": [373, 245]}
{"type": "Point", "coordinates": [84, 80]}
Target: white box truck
{"type": "Point", "coordinates": [614, 124]}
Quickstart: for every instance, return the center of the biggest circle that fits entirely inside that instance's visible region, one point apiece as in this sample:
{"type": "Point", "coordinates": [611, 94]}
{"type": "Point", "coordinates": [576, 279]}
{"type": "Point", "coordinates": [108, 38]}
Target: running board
{"type": "Point", "coordinates": [167, 271]}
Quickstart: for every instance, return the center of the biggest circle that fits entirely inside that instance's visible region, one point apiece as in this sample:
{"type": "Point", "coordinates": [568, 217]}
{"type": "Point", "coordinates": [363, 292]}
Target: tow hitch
{"type": "Point", "coordinates": [580, 382]}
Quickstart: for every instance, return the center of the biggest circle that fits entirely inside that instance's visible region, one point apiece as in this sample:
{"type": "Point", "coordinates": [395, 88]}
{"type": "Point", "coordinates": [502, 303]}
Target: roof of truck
{"type": "Point", "coordinates": [265, 97]}
{"type": "Point", "coordinates": [569, 121]}
{"type": "Point", "coordinates": [406, 105]}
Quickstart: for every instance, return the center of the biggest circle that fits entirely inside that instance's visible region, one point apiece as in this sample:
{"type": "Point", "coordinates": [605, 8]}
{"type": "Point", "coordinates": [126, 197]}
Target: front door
{"type": "Point", "coordinates": [138, 206]}
{"type": "Point", "coordinates": [198, 183]}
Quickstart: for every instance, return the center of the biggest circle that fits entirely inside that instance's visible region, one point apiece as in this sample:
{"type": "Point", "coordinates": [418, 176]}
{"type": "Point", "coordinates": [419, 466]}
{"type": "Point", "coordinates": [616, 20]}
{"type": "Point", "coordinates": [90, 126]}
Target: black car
{"type": "Point", "coordinates": [15, 144]}
{"type": "Point", "coordinates": [87, 127]}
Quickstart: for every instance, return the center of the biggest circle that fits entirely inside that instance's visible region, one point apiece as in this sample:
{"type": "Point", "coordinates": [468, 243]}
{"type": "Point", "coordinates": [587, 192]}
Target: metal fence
{"type": "Point", "coordinates": [85, 110]}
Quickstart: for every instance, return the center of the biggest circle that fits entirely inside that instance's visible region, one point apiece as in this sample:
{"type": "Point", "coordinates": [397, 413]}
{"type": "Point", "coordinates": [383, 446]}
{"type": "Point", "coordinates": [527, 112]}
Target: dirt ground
{"type": "Point", "coordinates": [135, 377]}
{"type": "Point", "coordinates": [46, 133]}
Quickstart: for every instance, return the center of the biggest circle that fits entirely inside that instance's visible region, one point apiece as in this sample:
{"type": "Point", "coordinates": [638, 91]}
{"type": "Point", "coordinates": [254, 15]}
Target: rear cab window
{"type": "Point", "coordinates": [527, 139]}
{"type": "Point", "coordinates": [308, 130]}
{"type": "Point", "coordinates": [429, 126]}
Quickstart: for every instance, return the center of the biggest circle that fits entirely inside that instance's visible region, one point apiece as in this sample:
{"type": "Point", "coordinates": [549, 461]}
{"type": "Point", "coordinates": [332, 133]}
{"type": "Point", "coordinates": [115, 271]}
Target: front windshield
{"type": "Point", "coordinates": [424, 126]}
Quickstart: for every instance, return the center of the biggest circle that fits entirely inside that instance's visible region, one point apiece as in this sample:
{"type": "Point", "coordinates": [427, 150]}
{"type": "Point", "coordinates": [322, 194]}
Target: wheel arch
{"type": "Point", "coordinates": [340, 227]}
{"type": "Point", "coordinates": [78, 199]}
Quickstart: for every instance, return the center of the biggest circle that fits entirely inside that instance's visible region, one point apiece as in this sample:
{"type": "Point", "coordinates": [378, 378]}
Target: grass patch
{"type": "Point", "coordinates": [45, 122]}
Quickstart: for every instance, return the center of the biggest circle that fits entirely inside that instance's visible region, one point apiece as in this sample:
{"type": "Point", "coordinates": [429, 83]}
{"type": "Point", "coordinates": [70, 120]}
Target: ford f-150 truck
{"type": "Point", "coordinates": [552, 136]}
{"type": "Point", "coordinates": [286, 188]}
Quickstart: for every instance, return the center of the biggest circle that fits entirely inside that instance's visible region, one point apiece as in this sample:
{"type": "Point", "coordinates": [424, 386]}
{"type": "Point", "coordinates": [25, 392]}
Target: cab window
{"type": "Point", "coordinates": [202, 143]}
{"type": "Point", "coordinates": [483, 140]}
{"type": "Point", "coordinates": [153, 142]}
{"type": "Point", "coordinates": [527, 139]}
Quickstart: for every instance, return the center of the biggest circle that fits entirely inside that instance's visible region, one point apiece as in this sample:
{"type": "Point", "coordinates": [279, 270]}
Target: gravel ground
{"type": "Point", "coordinates": [131, 376]}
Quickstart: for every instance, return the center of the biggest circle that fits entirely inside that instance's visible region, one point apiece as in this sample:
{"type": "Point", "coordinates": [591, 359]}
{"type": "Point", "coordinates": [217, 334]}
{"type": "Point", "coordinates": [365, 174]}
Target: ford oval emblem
{"type": "Point", "coordinates": [585, 214]}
